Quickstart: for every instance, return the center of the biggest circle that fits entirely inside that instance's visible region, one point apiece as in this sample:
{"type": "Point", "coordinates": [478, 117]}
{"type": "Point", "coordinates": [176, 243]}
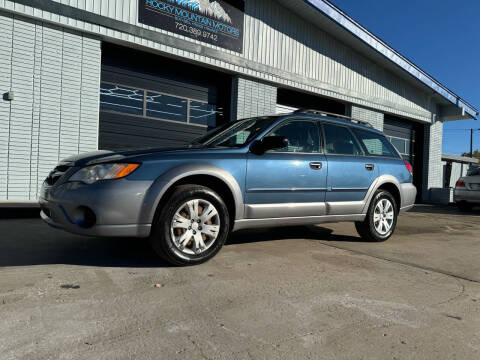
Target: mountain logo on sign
{"type": "Point", "coordinates": [212, 9]}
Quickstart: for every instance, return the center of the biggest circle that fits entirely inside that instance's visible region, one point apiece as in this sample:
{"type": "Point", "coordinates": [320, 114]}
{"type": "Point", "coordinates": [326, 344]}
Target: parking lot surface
{"type": "Point", "coordinates": [287, 293]}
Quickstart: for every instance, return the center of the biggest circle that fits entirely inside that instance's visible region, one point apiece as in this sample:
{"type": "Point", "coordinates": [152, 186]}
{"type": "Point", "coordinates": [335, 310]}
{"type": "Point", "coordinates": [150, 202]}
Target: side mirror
{"type": "Point", "coordinates": [259, 147]}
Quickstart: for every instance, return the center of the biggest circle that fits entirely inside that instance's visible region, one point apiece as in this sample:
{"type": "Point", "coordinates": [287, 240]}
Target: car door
{"type": "Point", "coordinates": [288, 182]}
{"type": "Point", "coordinates": [350, 171]}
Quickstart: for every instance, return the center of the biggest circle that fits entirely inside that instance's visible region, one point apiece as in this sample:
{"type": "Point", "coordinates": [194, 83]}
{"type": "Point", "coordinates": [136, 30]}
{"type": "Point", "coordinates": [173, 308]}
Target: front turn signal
{"type": "Point", "coordinates": [125, 170]}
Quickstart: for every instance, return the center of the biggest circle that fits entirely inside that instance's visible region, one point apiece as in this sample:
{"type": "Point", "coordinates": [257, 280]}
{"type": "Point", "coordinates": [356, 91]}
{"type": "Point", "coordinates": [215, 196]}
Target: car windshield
{"type": "Point", "coordinates": [235, 134]}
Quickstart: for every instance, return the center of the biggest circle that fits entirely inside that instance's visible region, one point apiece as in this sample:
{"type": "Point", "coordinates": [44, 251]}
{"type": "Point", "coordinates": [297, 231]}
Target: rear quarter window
{"type": "Point", "coordinates": [375, 144]}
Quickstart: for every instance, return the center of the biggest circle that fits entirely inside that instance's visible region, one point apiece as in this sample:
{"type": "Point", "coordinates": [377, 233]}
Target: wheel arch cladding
{"type": "Point", "coordinates": [209, 181]}
{"type": "Point", "coordinates": [217, 179]}
{"type": "Point", "coordinates": [384, 182]}
{"type": "Point", "coordinates": [392, 189]}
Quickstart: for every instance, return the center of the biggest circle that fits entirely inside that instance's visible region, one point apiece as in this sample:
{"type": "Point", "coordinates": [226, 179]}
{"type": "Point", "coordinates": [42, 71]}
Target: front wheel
{"type": "Point", "coordinates": [191, 227]}
{"type": "Point", "coordinates": [381, 219]}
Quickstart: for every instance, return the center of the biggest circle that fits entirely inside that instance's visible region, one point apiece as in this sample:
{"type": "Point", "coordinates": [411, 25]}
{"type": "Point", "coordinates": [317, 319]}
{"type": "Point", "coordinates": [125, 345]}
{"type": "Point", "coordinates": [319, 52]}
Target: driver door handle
{"type": "Point", "coordinates": [316, 165]}
{"type": "Point", "coordinates": [369, 167]}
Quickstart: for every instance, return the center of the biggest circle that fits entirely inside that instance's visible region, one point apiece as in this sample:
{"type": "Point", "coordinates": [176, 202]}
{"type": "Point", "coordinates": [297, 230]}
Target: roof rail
{"type": "Point", "coordinates": [324, 113]}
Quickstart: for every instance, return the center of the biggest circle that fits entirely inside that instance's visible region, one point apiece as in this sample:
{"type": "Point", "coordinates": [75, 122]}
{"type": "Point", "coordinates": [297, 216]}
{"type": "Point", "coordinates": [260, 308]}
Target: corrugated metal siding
{"type": "Point", "coordinates": [251, 98]}
{"type": "Point", "coordinates": [276, 37]}
{"type": "Point", "coordinates": [6, 26]}
{"type": "Point", "coordinates": [302, 48]}
{"type": "Point", "coordinates": [432, 169]}
{"type": "Point", "coordinates": [51, 71]}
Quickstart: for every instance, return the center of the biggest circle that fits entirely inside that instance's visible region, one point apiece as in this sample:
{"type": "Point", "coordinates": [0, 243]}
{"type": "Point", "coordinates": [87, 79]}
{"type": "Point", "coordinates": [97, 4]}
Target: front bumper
{"type": "Point", "coordinates": [117, 207]}
{"type": "Point", "coordinates": [142, 230]}
{"type": "Point", "coordinates": [469, 196]}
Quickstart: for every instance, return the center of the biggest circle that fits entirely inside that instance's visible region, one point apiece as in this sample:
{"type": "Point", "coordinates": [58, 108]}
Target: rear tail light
{"type": "Point", "coordinates": [460, 183]}
{"type": "Point", "coordinates": [409, 167]}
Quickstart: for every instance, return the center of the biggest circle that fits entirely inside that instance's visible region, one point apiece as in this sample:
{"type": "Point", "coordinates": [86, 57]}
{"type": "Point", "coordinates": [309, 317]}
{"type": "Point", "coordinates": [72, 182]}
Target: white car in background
{"type": "Point", "coordinates": [467, 190]}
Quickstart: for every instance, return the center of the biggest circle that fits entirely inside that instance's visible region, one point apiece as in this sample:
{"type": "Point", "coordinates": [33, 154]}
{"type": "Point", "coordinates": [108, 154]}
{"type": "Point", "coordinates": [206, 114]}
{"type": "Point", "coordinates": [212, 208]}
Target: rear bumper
{"type": "Point", "coordinates": [464, 195]}
{"type": "Point", "coordinates": [408, 193]}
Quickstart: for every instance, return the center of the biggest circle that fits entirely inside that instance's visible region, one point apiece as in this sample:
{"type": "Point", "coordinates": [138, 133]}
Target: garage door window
{"type": "Point", "coordinates": [202, 113]}
{"type": "Point", "coordinates": [121, 99]}
{"type": "Point", "coordinates": [166, 107]}
{"type": "Point", "coordinates": [404, 147]}
{"type": "Point", "coordinates": [155, 105]}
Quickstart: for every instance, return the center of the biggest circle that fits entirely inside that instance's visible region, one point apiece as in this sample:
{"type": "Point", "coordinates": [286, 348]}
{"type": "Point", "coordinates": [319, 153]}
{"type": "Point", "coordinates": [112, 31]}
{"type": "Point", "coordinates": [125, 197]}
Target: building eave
{"type": "Point", "coordinates": [460, 159]}
{"type": "Point", "coordinates": [358, 31]}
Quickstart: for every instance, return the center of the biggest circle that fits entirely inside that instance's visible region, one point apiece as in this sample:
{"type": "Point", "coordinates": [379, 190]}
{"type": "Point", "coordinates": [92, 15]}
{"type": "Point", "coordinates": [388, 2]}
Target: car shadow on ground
{"type": "Point", "coordinates": [74, 250]}
{"type": "Point", "coordinates": [313, 232]}
{"type": "Point", "coordinates": [30, 242]}
{"type": "Point", "coordinates": [444, 209]}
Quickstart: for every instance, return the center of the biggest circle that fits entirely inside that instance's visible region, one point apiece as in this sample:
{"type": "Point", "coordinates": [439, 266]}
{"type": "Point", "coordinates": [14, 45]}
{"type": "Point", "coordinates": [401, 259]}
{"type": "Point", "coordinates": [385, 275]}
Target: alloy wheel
{"type": "Point", "coordinates": [383, 216]}
{"type": "Point", "coordinates": [195, 226]}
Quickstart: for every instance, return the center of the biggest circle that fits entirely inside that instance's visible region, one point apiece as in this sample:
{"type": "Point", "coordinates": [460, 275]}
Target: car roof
{"type": "Point", "coordinates": [340, 120]}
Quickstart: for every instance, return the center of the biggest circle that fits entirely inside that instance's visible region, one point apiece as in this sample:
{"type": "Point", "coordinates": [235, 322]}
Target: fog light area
{"type": "Point", "coordinates": [84, 217]}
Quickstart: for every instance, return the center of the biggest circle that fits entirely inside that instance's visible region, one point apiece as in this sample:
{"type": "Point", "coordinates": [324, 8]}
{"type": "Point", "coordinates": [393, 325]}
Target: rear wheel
{"type": "Point", "coordinates": [381, 219]}
{"type": "Point", "coordinates": [191, 227]}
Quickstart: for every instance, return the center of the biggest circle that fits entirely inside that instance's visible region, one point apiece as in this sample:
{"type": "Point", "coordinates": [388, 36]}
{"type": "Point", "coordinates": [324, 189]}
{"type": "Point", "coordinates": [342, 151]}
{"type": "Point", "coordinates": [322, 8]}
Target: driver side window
{"type": "Point", "coordinates": [302, 135]}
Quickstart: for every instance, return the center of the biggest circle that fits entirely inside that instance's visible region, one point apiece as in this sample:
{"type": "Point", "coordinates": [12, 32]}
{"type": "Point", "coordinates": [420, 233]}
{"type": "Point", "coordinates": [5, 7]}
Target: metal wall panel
{"type": "Point", "coordinates": [53, 73]}
{"type": "Point", "coordinates": [279, 39]}
{"type": "Point", "coordinates": [90, 94]}
{"type": "Point", "coordinates": [6, 29]}
{"type": "Point", "coordinates": [23, 44]}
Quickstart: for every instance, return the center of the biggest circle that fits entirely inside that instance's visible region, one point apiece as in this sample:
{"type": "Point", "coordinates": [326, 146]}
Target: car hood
{"type": "Point", "coordinates": [101, 156]}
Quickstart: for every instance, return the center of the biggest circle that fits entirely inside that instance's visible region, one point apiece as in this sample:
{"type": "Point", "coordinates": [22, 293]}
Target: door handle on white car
{"type": "Point", "coordinates": [369, 167]}
{"type": "Point", "coordinates": [316, 165]}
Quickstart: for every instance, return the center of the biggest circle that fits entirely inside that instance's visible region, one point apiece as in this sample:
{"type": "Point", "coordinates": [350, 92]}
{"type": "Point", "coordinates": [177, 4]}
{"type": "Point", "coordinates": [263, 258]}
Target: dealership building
{"type": "Point", "coordinates": [82, 75]}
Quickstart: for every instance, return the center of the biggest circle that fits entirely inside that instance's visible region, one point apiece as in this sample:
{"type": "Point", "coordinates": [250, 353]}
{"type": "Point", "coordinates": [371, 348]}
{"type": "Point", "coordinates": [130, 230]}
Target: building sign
{"type": "Point", "coordinates": [215, 22]}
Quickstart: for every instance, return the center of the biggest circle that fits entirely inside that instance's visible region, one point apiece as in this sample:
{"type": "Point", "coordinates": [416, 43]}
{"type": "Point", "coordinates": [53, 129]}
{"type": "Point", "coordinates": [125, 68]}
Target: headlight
{"type": "Point", "coordinates": [91, 174]}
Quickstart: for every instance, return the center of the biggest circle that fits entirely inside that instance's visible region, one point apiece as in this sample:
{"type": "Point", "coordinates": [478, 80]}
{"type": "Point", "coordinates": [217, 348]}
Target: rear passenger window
{"type": "Point", "coordinates": [375, 144]}
{"type": "Point", "coordinates": [339, 140]}
{"type": "Point", "coordinates": [302, 136]}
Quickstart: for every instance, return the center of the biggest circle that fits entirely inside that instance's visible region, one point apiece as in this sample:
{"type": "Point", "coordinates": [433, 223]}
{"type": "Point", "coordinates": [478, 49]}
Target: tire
{"type": "Point", "coordinates": [371, 229]}
{"type": "Point", "coordinates": [178, 241]}
{"type": "Point", "coordinates": [464, 206]}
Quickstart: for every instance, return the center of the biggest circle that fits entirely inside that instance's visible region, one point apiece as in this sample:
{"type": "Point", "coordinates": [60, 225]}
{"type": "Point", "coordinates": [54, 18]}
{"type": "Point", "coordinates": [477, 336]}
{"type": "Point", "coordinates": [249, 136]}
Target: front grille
{"type": "Point", "coordinates": [62, 168]}
{"type": "Point", "coordinates": [57, 173]}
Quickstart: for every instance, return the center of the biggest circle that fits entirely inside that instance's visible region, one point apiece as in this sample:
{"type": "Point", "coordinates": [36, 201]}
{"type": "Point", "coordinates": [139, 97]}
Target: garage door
{"type": "Point", "coordinates": [291, 100]}
{"type": "Point", "coordinates": [150, 101]}
{"type": "Point", "coordinates": [407, 137]}
{"type": "Point", "coordinates": [402, 135]}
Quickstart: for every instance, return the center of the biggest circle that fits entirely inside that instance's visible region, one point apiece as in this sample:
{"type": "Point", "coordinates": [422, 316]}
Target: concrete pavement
{"type": "Point", "coordinates": [291, 293]}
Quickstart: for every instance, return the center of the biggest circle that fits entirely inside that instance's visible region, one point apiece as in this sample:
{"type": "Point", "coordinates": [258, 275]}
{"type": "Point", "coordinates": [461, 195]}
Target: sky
{"type": "Point", "coordinates": [442, 37]}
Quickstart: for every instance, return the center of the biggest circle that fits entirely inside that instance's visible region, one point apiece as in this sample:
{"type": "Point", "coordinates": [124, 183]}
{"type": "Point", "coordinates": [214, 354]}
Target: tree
{"type": "Point", "coordinates": [476, 154]}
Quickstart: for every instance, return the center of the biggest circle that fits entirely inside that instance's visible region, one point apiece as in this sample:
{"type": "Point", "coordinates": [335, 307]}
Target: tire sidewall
{"type": "Point", "coordinates": [164, 220]}
{"type": "Point", "coordinates": [380, 195]}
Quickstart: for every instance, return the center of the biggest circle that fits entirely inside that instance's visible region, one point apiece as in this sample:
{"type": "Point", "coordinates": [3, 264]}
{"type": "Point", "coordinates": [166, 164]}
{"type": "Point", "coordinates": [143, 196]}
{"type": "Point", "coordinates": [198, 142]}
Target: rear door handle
{"type": "Point", "coordinates": [369, 167]}
{"type": "Point", "coordinates": [316, 165]}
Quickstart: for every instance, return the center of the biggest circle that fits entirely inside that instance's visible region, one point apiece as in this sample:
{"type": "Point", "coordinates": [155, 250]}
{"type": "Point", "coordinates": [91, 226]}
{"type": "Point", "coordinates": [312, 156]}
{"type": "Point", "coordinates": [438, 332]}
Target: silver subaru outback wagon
{"type": "Point", "coordinates": [295, 169]}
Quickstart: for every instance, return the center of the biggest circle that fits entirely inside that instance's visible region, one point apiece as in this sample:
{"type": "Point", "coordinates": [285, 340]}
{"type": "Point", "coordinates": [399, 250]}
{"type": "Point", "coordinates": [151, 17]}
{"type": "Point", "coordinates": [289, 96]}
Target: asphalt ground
{"type": "Point", "coordinates": [287, 293]}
